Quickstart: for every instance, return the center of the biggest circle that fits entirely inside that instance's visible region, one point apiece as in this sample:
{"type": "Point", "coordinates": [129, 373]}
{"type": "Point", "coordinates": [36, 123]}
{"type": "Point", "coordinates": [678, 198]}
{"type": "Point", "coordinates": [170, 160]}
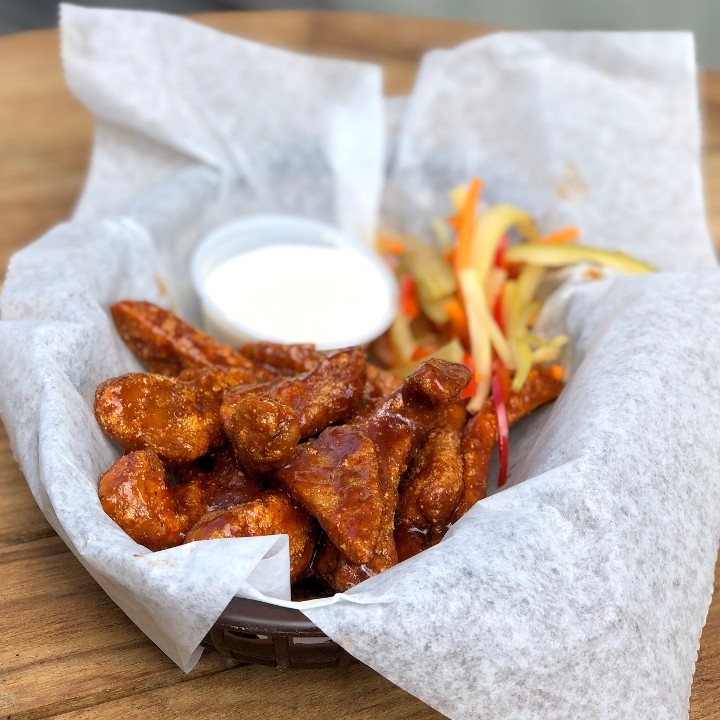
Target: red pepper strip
{"type": "Point", "coordinates": [502, 425]}
{"type": "Point", "coordinates": [409, 305]}
{"type": "Point", "coordinates": [469, 391]}
{"type": "Point", "coordinates": [500, 252]}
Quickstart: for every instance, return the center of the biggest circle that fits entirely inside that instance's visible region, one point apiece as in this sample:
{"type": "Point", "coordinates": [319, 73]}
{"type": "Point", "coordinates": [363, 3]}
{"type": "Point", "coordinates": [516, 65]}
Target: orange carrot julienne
{"type": "Point", "coordinates": [409, 305]}
{"type": "Point", "coordinates": [458, 320]}
{"type": "Point", "coordinates": [423, 351]}
{"type": "Point", "coordinates": [469, 391]}
{"type": "Point", "coordinates": [561, 237]}
{"type": "Point", "coordinates": [388, 246]}
{"type": "Point", "coordinates": [556, 372]}
{"type": "Point", "coordinates": [466, 224]}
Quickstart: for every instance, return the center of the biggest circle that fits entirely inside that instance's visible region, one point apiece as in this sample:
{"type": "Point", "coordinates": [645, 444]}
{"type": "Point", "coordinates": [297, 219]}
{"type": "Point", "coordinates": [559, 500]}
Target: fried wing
{"type": "Point", "coordinates": [272, 513]}
{"type": "Point", "coordinates": [264, 424]}
{"type": "Point", "coordinates": [214, 482]}
{"type": "Point", "coordinates": [377, 445]}
{"type": "Point", "coordinates": [141, 410]}
{"type": "Point", "coordinates": [303, 357]}
{"type": "Point", "coordinates": [335, 477]}
{"type": "Point", "coordinates": [165, 344]}
{"type": "Point", "coordinates": [264, 432]}
{"type": "Point", "coordinates": [380, 383]}
{"type": "Point", "coordinates": [480, 433]}
{"type": "Point", "coordinates": [291, 359]}
{"type": "Point", "coordinates": [433, 486]}
{"type": "Point", "coordinates": [135, 492]}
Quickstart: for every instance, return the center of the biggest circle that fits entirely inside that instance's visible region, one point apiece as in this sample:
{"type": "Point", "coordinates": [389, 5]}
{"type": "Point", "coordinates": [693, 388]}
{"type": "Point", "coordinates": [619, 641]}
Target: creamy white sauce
{"type": "Point", "coordinates": [292, 293]}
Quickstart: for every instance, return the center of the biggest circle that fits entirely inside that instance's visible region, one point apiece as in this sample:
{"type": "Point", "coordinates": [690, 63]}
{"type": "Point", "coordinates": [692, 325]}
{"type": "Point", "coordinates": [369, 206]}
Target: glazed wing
{"type": "Point", "coordinates": [166, 344]}
{"type": "Point", "coordinates": [433, 486]}
{"type": "Point", "coordinates": [135, 492]}
{"type": "Point", "coordinates": [142, 410]}
{"type": "Point", "coordinates": [272, 513]}
{"type": "Point", "coordinates": [214, 482]}
{"type": "Point", "coordinates": [381, 443]}
{"type": "Point", "coordinates": [336, 478]}
{"type": "Point", "coordinates": [291, 359]}
{"type": "Point", "coordinates": [480, 434]}
{"type": "Point", "coordinates": [264, 424]}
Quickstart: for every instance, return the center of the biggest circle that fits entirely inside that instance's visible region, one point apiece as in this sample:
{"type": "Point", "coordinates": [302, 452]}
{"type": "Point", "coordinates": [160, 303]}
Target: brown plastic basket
{"type": "Point", "coordinates": [258, 633]}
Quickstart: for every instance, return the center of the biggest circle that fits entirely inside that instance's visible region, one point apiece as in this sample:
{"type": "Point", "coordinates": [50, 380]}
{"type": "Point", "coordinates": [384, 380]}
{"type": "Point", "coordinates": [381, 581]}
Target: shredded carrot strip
{"type": "Point", "coordinates": [458, 320]}
{"type": "Point", "coordinates": [469, 391]}
{"type": "Point", "coordinates": [409, 305]}
{"type": "Point", "coordinates": [466, 224]}
{"type": "Point", "coordinates": [388, 246]}
{"type": "Point", "coordinates": [423, 351]}
{"type": "Point", "coordinates": [453, 222]}
{"type": "Point", "coordinates": [556, 372]}
{"type": "Point", "coordinates": [561, 237]}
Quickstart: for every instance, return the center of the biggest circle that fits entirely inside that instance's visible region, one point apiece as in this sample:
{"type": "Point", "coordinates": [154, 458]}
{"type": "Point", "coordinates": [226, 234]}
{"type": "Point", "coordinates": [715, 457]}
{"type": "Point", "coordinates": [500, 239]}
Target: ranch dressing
{"type": "Point", "coordinates": [326, 295]}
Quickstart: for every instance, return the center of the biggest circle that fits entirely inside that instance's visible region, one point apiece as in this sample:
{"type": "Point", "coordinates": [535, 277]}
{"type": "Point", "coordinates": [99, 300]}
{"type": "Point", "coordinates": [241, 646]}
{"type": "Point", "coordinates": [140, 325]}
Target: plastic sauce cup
{"type": "Point", "coordinates": [290, 279]}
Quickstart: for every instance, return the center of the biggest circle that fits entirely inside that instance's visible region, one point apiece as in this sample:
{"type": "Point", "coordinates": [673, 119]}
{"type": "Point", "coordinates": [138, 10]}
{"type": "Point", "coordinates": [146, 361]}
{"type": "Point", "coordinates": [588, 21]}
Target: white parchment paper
{"type": "Point", "coordinates": [581, 590]}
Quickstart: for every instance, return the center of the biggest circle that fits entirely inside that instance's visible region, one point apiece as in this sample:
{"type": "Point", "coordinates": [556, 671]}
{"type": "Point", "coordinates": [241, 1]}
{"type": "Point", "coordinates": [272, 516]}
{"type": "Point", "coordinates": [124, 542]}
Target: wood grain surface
{"type": "Point", "coordinates": [67, 649]}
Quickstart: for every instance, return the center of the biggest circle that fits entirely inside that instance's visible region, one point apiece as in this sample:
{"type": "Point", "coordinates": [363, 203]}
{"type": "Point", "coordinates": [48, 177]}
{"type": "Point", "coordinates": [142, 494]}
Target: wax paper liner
{"type": "Point", "coordinates": [581, 590]}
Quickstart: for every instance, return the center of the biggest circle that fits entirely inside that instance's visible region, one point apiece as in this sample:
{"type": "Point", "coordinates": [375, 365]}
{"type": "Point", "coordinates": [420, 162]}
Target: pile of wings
{"type": "Point", "coordinates": [360, 468]}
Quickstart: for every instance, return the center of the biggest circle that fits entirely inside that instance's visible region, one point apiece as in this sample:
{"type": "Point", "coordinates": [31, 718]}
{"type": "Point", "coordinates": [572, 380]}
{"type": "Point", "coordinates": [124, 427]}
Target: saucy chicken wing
{"type": "Point", "coordinates": [324, 474]}
{"type": "Point", "coordinates": [141, 410]}
{"type": "Point", "coordinates": [213, 482]}
{"type": "Point", "coordinates": [272, 513]}
{"type": "Point", "coordinates": [291, 359]}
{"type": "Point", "coordinates": [433, 486]}
{"type": "Point", "coordinates": [480, 434]}
{"type": "Point", "coordinates": [265, 423]}
{"type": "Point", "coordinates": [302, 357]}
{"type": "Point", "coordinates": [166, 344]}
{"type": "Point", "coordinates": [335, 477]}
{"type": "Point", "coordinates": [135, 492]}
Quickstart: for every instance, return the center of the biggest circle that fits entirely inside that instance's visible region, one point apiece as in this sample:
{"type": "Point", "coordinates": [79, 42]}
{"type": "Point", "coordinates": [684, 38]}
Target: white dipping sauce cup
{"type": "Point", "coordinates": [289, 279]}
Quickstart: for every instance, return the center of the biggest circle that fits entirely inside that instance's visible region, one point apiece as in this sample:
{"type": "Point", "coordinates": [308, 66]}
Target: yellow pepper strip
{"type": "Point", "coordinates": [557, 341]}
{"type": "Point", "coordinates": [561, 255]}
{"type": "Point", "coordinates": [529, 280]}
{"type": "Point", "coordinates": [457, 197]}
{"type": "Point", "coordinates": [480, 347]}
{"type": "Point", "coordinates": [494, 285]}
{"type": "Point", "coordinates": [401, 338]}
{"type": "Point", "coordinates": [524, 365]}
{"type": "Point", "coordinates": [545, 354]}
{"type": "Point", "coordinates": [441, 233]}
{"type": "Point", "coordinates": [490, 228]}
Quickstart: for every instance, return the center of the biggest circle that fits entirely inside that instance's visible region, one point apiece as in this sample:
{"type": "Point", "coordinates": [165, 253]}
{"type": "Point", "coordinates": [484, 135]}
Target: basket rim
{"type": "Point", "coordinates": [255, 617]}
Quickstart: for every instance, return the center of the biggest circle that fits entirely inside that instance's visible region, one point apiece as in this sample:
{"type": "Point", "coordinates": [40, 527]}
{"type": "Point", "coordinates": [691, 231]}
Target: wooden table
{"type": "Point", "coordinates": [67, 649]}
